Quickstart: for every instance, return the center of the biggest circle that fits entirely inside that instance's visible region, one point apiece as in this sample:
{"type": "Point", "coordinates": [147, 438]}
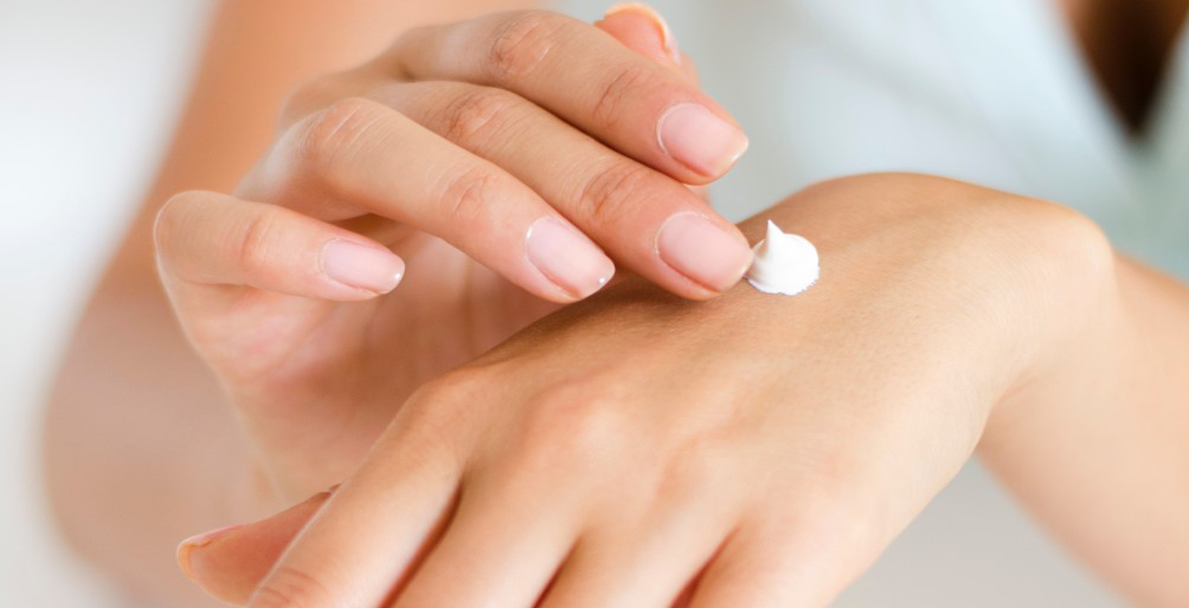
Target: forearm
{"type": "Point", "coordinates": [1104, 461]}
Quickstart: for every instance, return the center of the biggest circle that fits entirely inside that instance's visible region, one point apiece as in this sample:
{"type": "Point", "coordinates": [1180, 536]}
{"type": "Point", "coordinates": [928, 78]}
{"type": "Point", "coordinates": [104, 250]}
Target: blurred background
{"type": "Point", "coordinates": [89, 96]}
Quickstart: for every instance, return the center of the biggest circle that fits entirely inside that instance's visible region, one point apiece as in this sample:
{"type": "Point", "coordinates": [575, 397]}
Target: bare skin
{"type": "Point", "coordinates": [129, 327]}
{"type": "Point", "coordinates": [775, 445]}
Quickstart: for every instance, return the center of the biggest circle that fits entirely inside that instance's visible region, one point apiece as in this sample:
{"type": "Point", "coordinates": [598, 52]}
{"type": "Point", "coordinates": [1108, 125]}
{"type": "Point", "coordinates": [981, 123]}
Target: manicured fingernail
{"type": "Point", "coordinates": [703, 251]}
{"type": "Point", "coordinates": [361, 266]}
{"type": "Point", "coordinates": [699, 139]}
{"type": "Point", "coordinates": [187, 547]}
{"type": "Point", "coordinates": [567, 258]}
{"type": "Point", "coordinates": [667, 40]}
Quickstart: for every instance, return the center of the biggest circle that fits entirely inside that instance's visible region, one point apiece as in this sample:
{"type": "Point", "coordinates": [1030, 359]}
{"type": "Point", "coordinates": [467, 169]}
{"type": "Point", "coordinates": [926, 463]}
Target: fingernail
{"type": "Point", "coordinates": [700, 140]}
{"type": "Point", "coordinates": [667, 40]}
{"type": "Point", "coordinates": [186, 547]}
{"type": "Point", "coordinates": [703, 251]}
{"type": "Point", "coordinates": [361, 266]}
{"type": "Point", "coordinates": [567, 258]}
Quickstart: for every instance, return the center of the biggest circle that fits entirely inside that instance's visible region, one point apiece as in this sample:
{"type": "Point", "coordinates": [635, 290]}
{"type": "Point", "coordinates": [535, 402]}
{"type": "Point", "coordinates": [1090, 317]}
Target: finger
{"type": "Point", "coordinates": [509, 542]}
{"type": "Point", "coordinates": [370, 535]}
{"type": "Point", "coordinates": [641, 217]}
{"type": "Point", "coordinates": [230, 564]}
{"type": "Point", "coordinates": [360, 156]}
{"type": "Point", "coordinates": [642, 29]}
{"type": "Point", "coordinates": [646, 565]}
{"type": "Point", "coordinates": [206, 239]}
{"type": "Point", "coordinates": [782, 562]}
{"type": "Point", "coordinates": [639, 107]}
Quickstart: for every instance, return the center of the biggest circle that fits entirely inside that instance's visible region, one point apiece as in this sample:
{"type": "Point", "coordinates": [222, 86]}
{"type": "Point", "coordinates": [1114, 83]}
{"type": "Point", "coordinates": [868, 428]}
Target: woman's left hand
{"type": "Point", "coordinates": [757, 450]}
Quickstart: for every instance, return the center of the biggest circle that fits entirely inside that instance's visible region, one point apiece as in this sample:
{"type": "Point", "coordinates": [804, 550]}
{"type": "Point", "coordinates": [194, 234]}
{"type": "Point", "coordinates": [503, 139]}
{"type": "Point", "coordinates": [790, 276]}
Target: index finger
{"type": "Point", "coordinates": [588, 78]}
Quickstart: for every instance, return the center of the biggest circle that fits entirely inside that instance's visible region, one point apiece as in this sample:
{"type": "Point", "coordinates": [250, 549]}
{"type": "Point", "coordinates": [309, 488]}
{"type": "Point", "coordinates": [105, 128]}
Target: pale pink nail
{"type": "Point", "coordinates": [567, 258]}
{"type": "Point", "coordinates": [700, 140]}
{"type": "Point", "coordinates": [186, 547]}
{"type": "Point", "coordinates": [362, 266]}
{"type": "Point", "coordinates": [703, 251]}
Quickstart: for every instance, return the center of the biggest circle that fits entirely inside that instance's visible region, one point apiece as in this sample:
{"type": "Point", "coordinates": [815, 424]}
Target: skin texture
{"type": "Point", "coordinates": [316, 368]}
{"type": "Point", "coordinates": [124, 509]}
{"type": "Point", "coordinates": [772, 445]}
{"type": "Point", "coordinates": [133, 404]}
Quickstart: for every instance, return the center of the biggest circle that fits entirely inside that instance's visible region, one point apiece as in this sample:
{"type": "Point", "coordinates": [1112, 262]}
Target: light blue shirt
{"type": "Point", "coordinates": [994, 93]}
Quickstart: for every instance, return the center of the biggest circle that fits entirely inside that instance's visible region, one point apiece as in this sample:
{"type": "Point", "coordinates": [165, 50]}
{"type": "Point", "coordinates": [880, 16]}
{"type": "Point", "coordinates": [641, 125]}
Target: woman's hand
{"type": "Point", "coordinates": [506, 139]}
{"type": "Point", "coordinates": [756, 450]}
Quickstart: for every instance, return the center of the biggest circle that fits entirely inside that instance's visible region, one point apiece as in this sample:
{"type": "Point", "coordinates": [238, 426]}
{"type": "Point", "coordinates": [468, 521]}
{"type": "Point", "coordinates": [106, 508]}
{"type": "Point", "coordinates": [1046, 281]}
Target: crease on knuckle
{"type": "Point", "coordinates": [697, 468]}
{"type": "Point", "coordinates": [609, 106]}
{"type": "Point", "coordinates": [575, 427]}
{"type": "Point", "coordinates": [290, 587]}
{"type": "Point", "coordinates": [464, 193]}
{"type": "Point", "coordinates": [523, 42]}
{"type": "Point", "coordinates": [478, 116]}
{"type": "Point", "coordinates": [253, 244]}
{"type": "Point", "coordinates": [613, 189]}
{"type": "Point", "coordinates": [334, 136]}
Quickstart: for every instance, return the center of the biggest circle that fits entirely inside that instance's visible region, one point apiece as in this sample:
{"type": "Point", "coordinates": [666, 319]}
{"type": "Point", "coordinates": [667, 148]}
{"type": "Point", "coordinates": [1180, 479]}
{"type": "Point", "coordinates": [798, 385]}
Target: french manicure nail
{"type": "Point", "coordinates": [703, 251]}
{"type": "Point", "coordinates": [567, 258]}
{"type": "Point", "coordinates": [667, 40]}
{"type": "Point", "coordinates": [361, 266]}
{"type": "Point", "coordinates": [699, 139]}
{"type": "Point", "coordinates": [186, 547]}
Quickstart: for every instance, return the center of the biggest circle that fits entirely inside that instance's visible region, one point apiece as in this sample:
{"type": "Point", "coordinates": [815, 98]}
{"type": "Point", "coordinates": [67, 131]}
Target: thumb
{"type": "Point", "coordinates": [230, 563]}
{"type": "Point", "coordinates": [640, 28]}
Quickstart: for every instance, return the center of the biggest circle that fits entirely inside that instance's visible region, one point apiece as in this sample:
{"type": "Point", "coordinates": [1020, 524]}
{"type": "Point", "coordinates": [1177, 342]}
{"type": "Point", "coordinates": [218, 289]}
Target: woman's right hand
{"type": "Point", "coordinates": [506, 160]}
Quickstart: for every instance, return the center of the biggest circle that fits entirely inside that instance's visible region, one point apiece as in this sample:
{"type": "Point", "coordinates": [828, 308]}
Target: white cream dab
{"type": "Point", "coordinates": [784, 263]}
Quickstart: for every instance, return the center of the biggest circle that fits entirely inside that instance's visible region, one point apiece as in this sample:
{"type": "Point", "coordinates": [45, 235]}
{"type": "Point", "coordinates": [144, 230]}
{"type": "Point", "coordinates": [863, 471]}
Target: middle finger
{"type": "Point", "coordinates": [645, 219]}
{"type": "Point", "coordinates": [588, 78]}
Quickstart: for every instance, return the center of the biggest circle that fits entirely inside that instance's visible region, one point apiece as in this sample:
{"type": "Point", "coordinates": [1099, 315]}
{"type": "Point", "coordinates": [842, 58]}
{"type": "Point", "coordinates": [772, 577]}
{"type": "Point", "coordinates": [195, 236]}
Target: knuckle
{"type": "Point", "coordinates": [444, 400]}
{"type": "Point", "coordinates": [523, 42]}
{"type": "Point", "coordinates": [332, 134]}
{"type": "Point", "coordinates": [253, 245]}
{"type": "Point", "coordinates": [479, 115]}
{"type": "Point", "coordinates": [464, 193]}
{"type": "Point", "coordinates": [697, 469]}
{"type": "Point", "coordinates": [628, 83]}
{"type": "Point", "coordinates": [613, 189]}
{"type": "Point", "coordinates": [291, 587]}
{"type": "Point", "coordinates": [575, 426]}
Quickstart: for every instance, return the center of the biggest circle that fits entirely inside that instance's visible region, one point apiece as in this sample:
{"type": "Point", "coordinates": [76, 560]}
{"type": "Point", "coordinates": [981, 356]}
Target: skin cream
{"type": "Point", "coordinates": [784, 263]}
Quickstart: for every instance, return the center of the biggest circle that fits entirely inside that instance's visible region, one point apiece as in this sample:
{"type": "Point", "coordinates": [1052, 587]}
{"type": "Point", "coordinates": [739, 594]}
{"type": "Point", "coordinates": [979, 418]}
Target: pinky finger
{"type": "Point", "coordinates": [206, 239]}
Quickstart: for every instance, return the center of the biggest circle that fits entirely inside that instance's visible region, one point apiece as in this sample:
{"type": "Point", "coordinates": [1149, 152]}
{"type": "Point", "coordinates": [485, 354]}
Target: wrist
{"type": "Point", "coordinates": [1076, 324]}
{"type": "Point", "coordinates": [1017, 296]}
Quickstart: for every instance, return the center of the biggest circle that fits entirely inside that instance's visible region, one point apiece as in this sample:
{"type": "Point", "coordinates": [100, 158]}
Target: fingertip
{"type": "Point", "coordinates": [192, 559]}
{"type": "Point", "coordinates": [367, 270]}
{"type": "Point", "coordinates": [571, 262]}
{"type": "Point", "coordinates": [186, 548]}
{"type": "Point", "coordinates": [229, 563]}
{"type": "Point", "coordinates": [702, 140]}
{"type": "Point", "coordinates": [712, 256]}
{"type": "Point", "coordinates": [642, 29]}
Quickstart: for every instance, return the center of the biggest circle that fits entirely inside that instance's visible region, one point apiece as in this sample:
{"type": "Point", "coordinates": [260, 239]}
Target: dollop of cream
{"type": "Point", "coordinates": [784, 263]}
